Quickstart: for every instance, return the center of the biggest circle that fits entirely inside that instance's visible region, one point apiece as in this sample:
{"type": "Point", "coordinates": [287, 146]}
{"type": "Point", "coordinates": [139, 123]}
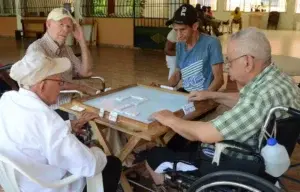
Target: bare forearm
{"type": "Point", "coordinates": [174, 79]}
{"type": "Point", "coordinates": [196, 130]}
{"type": "Point", "coordinates": [87, 62]}
{"type": "Point", "coordinates": [170, 52]}
{"type": "Point", "coordinates": [228, 99]}
{"type": "Point", "coordinates": [216, 84]}
{"type": "Point", "coordinates": [184, 128]}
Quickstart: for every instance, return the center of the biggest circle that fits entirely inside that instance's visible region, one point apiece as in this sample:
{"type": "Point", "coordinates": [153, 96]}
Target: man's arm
{"type": "Point", "coordinates": [174, 79]}
{"type": "Point", "coordinates": [85, 69]}
{"type": "Point", "coordinates": [170, 48]}
{"type": "Point", "coordinates": [228, 99]}
{"type": "Point", "coordinates": [65, 151]}
{"type": "Point", "coordinates": [218, 80]}
{"type": "Point", "coordinates": [191, 130]}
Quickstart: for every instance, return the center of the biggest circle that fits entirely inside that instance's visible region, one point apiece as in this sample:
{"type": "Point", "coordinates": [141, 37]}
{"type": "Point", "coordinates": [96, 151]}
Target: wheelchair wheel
{"type": "Point", "coordinates": [232, 181]}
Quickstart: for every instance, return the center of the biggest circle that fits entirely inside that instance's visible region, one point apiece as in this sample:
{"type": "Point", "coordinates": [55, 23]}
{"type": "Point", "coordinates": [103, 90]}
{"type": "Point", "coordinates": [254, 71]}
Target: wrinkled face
{"type": "Point", "coordinates": [51, 88]}
{"type": "Point", "coordinates": [184, 32]}
{"type": "Point", "coordinates": [237, 64]}
{"type": "Point", "coordinates": [59, 30]}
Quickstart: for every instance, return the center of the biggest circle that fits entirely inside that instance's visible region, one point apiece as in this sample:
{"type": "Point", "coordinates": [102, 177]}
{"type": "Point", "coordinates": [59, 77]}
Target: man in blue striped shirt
{"type": "Point", "coordinates": [198, 56]}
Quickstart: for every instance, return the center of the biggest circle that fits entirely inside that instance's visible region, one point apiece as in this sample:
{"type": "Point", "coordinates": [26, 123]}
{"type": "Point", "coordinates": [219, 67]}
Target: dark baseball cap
{"type": "Point", "coordinates": [186, 14]}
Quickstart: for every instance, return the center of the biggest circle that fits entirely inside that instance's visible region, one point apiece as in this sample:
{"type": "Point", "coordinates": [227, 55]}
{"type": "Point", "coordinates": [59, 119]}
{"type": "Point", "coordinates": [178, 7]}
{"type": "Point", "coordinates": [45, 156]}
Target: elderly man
{"type": "Point", "coordinates": [60, 24]}
{"type": "Point", "coordinates": [36, 138]}
{"type": "Point", "coordinates": [263, 86]}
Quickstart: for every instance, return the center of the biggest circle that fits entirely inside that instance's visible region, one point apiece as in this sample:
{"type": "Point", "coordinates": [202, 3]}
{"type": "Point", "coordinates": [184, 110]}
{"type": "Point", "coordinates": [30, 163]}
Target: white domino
{"type": "Point", "coordinates": [188, 108]}
{"type": "Point", "coordinates": [122, 98]}
{"type": "Point", "coordinates": [132, 114]}
{"type": "Point", "coordinates": [113, 116]}
{"type": "Point", "coordinates": [125, 106]}
{"type": "Point", "coordinates": [101, 112]}
{"type": "Point", "coordinates": [136, 97]}
{"type": "Point", "coordinates": [77, 108]}
{"type": "Point", "coordinates": [167, 87]}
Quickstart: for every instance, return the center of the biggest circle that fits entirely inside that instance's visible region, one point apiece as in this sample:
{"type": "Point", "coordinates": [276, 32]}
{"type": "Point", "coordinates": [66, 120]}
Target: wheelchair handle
{"type": "Point", "coordinates": [293, 112]}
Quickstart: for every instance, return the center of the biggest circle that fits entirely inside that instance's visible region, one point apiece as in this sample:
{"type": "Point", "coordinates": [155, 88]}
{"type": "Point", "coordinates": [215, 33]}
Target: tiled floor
{"type": "Point", "coordinates": [126, 66]}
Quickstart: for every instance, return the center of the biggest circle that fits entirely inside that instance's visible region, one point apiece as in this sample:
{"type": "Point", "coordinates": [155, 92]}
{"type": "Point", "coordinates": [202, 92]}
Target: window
{"type": "Point", "coordinates": [297, 6]}
{"type": "Point", "coordinates": [211, 3]}
{"type": "Point", "coordinates": [262, 5]}
{"type": "Point", "coordinates": [42, 8]}
{"type": "Point", "coordinates": [7, 7]}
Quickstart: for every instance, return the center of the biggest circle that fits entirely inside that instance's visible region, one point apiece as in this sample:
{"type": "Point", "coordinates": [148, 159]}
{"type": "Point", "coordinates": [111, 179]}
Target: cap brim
{"type": "Point", "coordinates": [64, 16]}
{"type": "Point", "coordinates": [169, 22]}
{"type": "Point", "coordinates": [60, 65]}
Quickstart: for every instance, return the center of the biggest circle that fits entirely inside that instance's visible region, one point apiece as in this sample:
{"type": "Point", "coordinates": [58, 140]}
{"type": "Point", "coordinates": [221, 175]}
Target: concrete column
{"type": "Point", "coordinates": [77, 8]}
{"type": "Point", "coordinates": [18, 14]}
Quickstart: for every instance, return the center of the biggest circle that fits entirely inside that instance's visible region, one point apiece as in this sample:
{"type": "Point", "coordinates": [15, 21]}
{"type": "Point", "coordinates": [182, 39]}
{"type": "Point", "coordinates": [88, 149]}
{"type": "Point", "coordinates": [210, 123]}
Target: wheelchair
{"type": "Point", "coordinates": [246, 178]}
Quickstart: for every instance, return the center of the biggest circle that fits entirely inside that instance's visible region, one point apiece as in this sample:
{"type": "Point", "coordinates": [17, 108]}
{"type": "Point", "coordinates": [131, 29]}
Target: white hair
{"type": "Point", "coordinates": [251, 41]}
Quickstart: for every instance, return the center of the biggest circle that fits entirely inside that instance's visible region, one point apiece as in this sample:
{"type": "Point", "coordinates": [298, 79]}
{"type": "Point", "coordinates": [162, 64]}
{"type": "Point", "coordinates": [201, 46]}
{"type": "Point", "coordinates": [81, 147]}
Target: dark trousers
{"type": "Point", "coordinates": [111, 174]}
{"type": "Point", "coordinates": [64, 115]}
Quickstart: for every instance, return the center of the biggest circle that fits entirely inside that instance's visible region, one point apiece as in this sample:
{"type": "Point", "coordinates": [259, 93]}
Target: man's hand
{"type": "Point", "coordinates": [165, 117]}
{"type": "Point", "coordinates": [78, 33]}
{"type": "Point", "coordinates": [83, 119]}
{"type": "Point", "coordinates": [199, 95]}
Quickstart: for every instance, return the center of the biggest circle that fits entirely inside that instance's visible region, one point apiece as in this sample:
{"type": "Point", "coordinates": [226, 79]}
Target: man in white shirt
{"type": "Point", "coordinates": [37, 138]}
{"type": "Point", "coordinates": [170, 51]}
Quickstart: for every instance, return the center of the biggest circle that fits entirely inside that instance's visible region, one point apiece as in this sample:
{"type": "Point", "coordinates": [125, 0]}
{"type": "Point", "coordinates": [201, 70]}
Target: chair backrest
{"type": "Point", "coordinates": [8, 180]}
{"type": "Point", "coordinates": [288, 131]}
{"type": "Point", "coordinates": [274, 17]}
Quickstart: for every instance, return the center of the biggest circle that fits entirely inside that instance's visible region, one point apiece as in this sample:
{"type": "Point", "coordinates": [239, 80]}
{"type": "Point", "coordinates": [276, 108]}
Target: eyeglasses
{"type": "Point", "coordinates": [60, 82]}
{"type": "Point", "coordinates": [227, 61]}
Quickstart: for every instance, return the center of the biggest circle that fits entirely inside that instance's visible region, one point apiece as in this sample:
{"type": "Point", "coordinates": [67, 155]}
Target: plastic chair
{"type": "Point", "coordinates": [9, 183]}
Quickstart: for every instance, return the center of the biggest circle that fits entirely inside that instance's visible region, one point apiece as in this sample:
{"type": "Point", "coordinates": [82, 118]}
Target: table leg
{"type": "Point", "coordinates": [125, 184]}
{"type": "Point", "coordinates": [168, 136]}
{"type": "Point", "coordinates": [130, 145]}
{"type": "Point", "coordinates": [101, 138]}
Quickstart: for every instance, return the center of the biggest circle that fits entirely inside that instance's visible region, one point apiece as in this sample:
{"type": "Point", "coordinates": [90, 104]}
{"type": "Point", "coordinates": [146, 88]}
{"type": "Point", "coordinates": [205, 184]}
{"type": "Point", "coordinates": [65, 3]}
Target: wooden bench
{"type": "Point", "coordinates": [27, 22]}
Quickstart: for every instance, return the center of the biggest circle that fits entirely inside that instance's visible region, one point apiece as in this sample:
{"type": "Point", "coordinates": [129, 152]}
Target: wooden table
{"type": "Point", "coordinates": [153, 133]}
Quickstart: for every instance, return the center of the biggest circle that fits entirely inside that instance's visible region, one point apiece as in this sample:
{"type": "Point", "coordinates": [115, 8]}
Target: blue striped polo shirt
{"type": "Point", "coordinates": [196, 64]}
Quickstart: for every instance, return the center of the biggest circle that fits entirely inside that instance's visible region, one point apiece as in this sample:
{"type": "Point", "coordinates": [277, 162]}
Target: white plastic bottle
{"type": "Point", "coordinates": [276, 158]}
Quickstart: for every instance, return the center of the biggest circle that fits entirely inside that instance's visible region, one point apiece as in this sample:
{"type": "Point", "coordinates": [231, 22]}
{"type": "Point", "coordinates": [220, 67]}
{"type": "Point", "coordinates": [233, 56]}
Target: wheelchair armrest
{"type": "Point", "coordinates": [93, 77]}
{"type": "Point", "coordinates": [237, 145]}
{"type": "Point", "coordinates": [72, 91]}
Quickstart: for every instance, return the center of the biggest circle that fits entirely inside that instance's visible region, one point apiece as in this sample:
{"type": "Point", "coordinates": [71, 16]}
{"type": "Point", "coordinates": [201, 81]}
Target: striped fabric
{"type": "Point", "coordinates": [47, 46]}
{"type": "Point", "coordinates": [192, 76]}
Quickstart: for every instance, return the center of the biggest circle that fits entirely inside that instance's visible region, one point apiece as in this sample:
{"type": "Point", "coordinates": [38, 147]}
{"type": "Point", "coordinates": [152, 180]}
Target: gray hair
{"type": "Point", "coordinates": [251, 41]}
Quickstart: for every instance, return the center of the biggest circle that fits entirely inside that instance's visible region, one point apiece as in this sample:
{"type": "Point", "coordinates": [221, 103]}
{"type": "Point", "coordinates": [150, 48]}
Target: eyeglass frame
{"type": "Point", "coordinates": [228, 62]}
{"type": "Point", "coordinates": [61, 82]}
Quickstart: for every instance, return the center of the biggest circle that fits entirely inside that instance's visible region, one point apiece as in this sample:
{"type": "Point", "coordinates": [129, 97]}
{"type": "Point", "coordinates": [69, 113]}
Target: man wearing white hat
{"type": "Point", "coordinates": [60, 24]}
{"type": "Point", "coordinates": [37, 138]}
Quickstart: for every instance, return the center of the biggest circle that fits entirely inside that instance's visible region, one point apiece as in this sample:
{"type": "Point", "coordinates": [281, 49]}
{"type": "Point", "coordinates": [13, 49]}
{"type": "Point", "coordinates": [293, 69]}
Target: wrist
{"type": "Point", "coordinates": [82, 43]}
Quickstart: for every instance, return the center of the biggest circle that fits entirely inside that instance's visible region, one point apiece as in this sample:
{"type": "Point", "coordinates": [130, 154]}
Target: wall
{"type": "Point", "coordinates": [114, 31]}
{"type": "Point", "coordinates": [287, 20]}
{"type": "Point", "coordinates": [8, 26]}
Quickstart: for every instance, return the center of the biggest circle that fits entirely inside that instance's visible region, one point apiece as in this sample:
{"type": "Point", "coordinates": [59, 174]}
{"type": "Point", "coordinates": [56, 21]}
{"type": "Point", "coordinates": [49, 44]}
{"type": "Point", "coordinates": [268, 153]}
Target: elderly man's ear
{"type": "Point", "coordinates": [249, 64]}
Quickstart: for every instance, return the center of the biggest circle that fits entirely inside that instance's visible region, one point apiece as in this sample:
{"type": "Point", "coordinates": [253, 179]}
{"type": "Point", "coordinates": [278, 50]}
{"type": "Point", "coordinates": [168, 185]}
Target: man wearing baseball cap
{"type": "Point", "coordinates": [199, 59]}
{"type": "Point", "coordinates": [198, 56]}
{"type": "Point", "coordinates": [60, 24]}
{"type": "Point", "coordinates": [37, 139]}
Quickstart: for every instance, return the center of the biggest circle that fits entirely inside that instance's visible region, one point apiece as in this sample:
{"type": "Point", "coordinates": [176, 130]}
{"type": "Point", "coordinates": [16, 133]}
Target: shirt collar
{"type": "Point", "coordinates": [29, 93]}
{"type": "Point", "coordinates": [257, 79]}
{"type": "Point", "coordinates": [51, 44]}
